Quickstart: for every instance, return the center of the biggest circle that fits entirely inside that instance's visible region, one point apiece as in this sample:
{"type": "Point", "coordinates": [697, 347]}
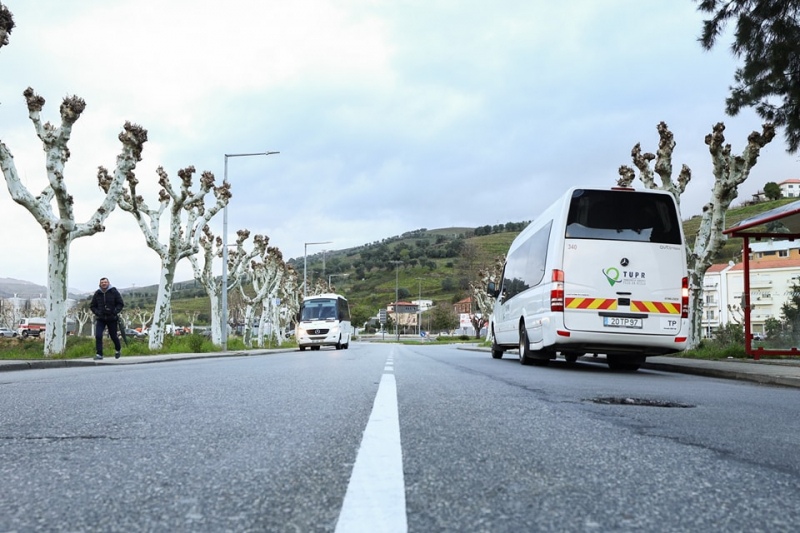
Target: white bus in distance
{"type": "Point", "coordinates": [601, 271]}
{"type": "Point", "coordinates": [324, 320]}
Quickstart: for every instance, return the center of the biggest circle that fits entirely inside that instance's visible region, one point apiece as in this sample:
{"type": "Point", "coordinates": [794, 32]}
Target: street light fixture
{"type": "Point", "coordinates": [305, 262]}
{"type": "Point", "coordinates": [225, 251]}
{"type": "Point", "coordinates": [396, 298]}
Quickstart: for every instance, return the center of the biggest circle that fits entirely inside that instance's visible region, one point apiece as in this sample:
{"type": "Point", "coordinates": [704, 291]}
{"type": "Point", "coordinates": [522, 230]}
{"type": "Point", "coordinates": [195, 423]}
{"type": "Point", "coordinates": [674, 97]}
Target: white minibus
{"type": "Point", "coordinates": [324, 320]}
{"type": "Point", "coordinates": [601, 271]}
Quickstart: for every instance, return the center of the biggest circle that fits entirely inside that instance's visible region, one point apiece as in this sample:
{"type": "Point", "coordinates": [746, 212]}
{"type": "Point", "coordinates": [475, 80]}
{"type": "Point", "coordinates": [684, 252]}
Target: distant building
{"type": "Point", "coordinates": [774, 270]}
{"type": "Point", "coordinates": [423, 305]}
{"type": "Point", "coordinates": [771, 250]}
{"type": "Point", "coordinates": [463, 306]}
{"type": "Point", "coordinates": [403, 313]}
{"type": "Point", "coordinates": [715, 309]}
{"type": "Point", "coordinates": [790, 188]}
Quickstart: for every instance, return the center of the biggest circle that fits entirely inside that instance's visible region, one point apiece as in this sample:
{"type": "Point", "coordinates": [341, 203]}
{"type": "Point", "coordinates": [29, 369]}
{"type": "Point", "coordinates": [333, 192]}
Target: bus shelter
{"type": "Point", "coordinates": [779, 223]}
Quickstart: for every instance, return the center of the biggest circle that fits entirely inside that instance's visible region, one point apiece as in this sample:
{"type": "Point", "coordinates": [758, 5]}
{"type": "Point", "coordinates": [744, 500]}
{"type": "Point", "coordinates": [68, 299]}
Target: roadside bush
{"type": "Point", "coordinates": [195, 342]}
{"type": "Point", "coordinates": [731, 334]}
{"type": "Point", "coordinates": [188, 344]}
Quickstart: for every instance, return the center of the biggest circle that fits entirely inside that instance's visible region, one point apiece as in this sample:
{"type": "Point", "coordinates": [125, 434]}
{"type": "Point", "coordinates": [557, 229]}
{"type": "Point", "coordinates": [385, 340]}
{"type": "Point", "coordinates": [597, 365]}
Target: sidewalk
{"type": "Point", "coordinates": [19, 364]}
{"type": "Point", "coordinates": [767, 371]}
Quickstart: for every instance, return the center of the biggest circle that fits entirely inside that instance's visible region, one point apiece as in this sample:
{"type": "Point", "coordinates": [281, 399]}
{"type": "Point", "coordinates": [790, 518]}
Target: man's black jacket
{"type": "Point", "coordinates": [107, 305]}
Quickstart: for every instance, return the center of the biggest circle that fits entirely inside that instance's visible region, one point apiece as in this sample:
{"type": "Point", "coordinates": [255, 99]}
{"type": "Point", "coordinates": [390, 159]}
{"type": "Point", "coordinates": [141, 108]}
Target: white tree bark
{"type": "Point", "coordinates": [82, 317]}
{"type": "Point", "coordinates": [290, 295]}
{"type": "Point", "coordinates": [10, 314]}
{"type": "Point", "coordinates": [483, 300]}
{"type": "Point", "coordinates": [730, 171]}
{"type": "Point", "coordinates": [204, 273]}
{"type": "Point", "coordinates": [143, 317]}
{"type": "Point", "coordinates": [262, 273]}
{"type": "Point", "coordinates": [191, 316]}
{"type": "Point", "coordinates": [187, 218]}
{"type": "Point", "coordinates": [60, 228]}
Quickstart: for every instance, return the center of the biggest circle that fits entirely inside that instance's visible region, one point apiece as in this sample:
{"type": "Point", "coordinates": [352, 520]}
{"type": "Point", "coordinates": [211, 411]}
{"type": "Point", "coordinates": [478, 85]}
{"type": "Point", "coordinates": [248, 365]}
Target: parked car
{"type": "Point", "coordinates": [133, 333]}
{"type": "Point", "coordinates": [5, 332]}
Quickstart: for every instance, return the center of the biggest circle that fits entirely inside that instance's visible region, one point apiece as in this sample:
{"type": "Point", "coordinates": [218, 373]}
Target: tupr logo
{"type": "Point", "coordinates": [612, 275]}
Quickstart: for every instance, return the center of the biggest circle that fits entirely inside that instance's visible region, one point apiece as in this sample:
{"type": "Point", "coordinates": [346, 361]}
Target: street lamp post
{"type": "Point", "coordinates": [225, 251]}
{"type": "Point", "coordinates": [419, 308]}
{"type": "Point", "coordinates": [305, 263]}
{"type": "Point", "coordinates": [333, 275]}
{"type": "Point", "coordinates": [396, 297]}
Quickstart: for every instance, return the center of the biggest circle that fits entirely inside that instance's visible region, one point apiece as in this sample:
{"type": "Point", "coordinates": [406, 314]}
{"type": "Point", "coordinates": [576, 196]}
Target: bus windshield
{"type": "Point", "coordinates": [319, 309]}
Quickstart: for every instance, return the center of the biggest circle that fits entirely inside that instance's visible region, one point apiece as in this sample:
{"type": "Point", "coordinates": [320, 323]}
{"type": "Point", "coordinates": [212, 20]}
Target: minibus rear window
{"type": "Point", "coordinates": [623, 216]}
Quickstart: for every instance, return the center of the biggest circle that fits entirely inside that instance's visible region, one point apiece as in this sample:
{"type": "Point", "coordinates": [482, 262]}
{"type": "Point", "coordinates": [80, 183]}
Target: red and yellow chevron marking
{"type": "Point", "coordinates": [591, 303]}
{"type": "Point", "coordinates": [667, 308]}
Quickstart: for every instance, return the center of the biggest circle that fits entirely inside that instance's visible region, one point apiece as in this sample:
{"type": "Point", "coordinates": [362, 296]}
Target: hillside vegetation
{"type": "Point", "coordinates": [435, 265]}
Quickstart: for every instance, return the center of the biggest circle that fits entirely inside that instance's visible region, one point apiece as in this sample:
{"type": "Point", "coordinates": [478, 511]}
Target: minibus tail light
{"type": "Point", "coordinates": [685, 298]}
{"type": "Point", "coordinates": [557, 292]}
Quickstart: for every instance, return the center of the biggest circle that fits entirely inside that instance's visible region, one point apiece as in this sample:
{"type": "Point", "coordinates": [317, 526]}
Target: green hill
{"type": "Point", "coordinates": [436, 265]}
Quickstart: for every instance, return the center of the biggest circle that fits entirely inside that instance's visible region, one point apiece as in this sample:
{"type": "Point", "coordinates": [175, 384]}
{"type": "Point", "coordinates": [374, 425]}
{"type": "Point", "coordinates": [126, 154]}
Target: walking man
{"type": "Point", "coordinates": [106, 306]}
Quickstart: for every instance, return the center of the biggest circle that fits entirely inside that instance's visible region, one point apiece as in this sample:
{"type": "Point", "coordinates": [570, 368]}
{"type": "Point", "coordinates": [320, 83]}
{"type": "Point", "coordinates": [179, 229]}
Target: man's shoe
{"type": "Point", "coordinates": [116, 355]}
{"type": "Point", "coordinates": [98, 357]}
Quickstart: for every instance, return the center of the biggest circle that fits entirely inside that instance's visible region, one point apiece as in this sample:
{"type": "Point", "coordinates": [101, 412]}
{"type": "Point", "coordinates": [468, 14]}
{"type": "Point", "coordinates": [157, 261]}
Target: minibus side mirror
{"type": "Point", "coordinates": [491, 288]}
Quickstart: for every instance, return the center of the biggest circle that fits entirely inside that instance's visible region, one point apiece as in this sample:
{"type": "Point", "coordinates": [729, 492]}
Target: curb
{"type": "Point", "coordinates": [765, 379]}
{"type": "Point", "coordinates": [130, 360]}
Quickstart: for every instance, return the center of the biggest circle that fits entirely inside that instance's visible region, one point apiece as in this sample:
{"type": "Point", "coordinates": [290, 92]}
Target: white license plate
{"type": "Point", "coordinates": [622, 322]}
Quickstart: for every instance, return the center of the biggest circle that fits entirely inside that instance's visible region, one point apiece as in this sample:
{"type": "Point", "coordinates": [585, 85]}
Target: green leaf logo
{"type": "Point", "coordinates": [612, 275]}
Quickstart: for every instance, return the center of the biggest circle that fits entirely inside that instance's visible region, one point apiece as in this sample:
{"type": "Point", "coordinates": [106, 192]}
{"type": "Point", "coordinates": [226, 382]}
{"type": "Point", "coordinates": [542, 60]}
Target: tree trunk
{"type": "Point", "coordinates": [163, 305]}
{"type": "Point", "coordinates": [215, 298]}
{"type": "Point", "coordinates": [55, 334]}
{"type": "Point", "coordinates": [247, 331]}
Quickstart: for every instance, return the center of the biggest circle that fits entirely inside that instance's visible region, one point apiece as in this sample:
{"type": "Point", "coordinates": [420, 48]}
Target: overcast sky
{"type": "Point", "coordinates": [389, 115]}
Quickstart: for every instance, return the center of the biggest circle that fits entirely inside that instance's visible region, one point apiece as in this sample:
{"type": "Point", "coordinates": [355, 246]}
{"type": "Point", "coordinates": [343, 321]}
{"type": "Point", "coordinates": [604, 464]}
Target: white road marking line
{"type": "Point", "coordinates": [376, 496]}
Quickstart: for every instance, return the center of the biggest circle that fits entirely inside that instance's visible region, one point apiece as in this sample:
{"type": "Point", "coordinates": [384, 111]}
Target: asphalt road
{"type": "Point", "coordinates": [271, 443]}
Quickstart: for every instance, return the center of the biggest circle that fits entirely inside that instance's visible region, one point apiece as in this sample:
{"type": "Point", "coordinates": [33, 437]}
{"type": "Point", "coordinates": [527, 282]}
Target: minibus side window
{"type": "Point", "coordinates": [525, 266]}
{"type": "Point", "coordinates": [537, 255]}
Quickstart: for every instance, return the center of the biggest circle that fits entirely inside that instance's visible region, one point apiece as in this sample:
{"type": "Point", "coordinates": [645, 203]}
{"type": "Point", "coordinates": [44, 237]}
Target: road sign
{"type": "Point", "coordinates": [382, 316]}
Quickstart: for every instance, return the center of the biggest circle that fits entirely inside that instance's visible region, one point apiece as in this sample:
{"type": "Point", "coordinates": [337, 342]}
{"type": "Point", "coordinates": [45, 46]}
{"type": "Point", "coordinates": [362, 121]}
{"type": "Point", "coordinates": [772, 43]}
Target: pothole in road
{"type": "Point", "coordinates": [625, 400]}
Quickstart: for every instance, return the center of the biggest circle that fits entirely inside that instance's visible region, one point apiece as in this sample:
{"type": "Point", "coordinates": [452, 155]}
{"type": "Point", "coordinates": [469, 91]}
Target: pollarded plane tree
{"type": "Point", "coordinates": [255, 271]}
{"type": "Point", "coordinates": [203, 267]}
{"type": "Point", "coordinates": [60, 226]}
{"type": "Point", "coordinates": [142, 316]}
{"type": "Point", "coordinates": [6, 24]}
{"type": "Point", "coordinates": [484, 301]}
{"type": "Point", "coordinates": [191, 318]}
{"type": "Point", "coordinates": [188, 215]}
{"type": "Point", "coordinates": [729, 171]}
{"type": "Point", "coordinates": [270, 277]}
{"type": "Point", "coordinates": [319, 287]}
{"type": "Point", "coordinates": [290, 294]}
{"type": "Point", "coordinates": [266, 276]}
{"type": "Point", "coordinates": [82, 316]}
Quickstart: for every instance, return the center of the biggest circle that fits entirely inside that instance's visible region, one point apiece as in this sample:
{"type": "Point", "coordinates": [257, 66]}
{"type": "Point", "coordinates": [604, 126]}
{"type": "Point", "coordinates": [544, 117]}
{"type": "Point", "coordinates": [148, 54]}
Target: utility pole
{"type": "Point", "coordinates": [419, 308]}
{"type": "Point", "coordinates": [396, 297]}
